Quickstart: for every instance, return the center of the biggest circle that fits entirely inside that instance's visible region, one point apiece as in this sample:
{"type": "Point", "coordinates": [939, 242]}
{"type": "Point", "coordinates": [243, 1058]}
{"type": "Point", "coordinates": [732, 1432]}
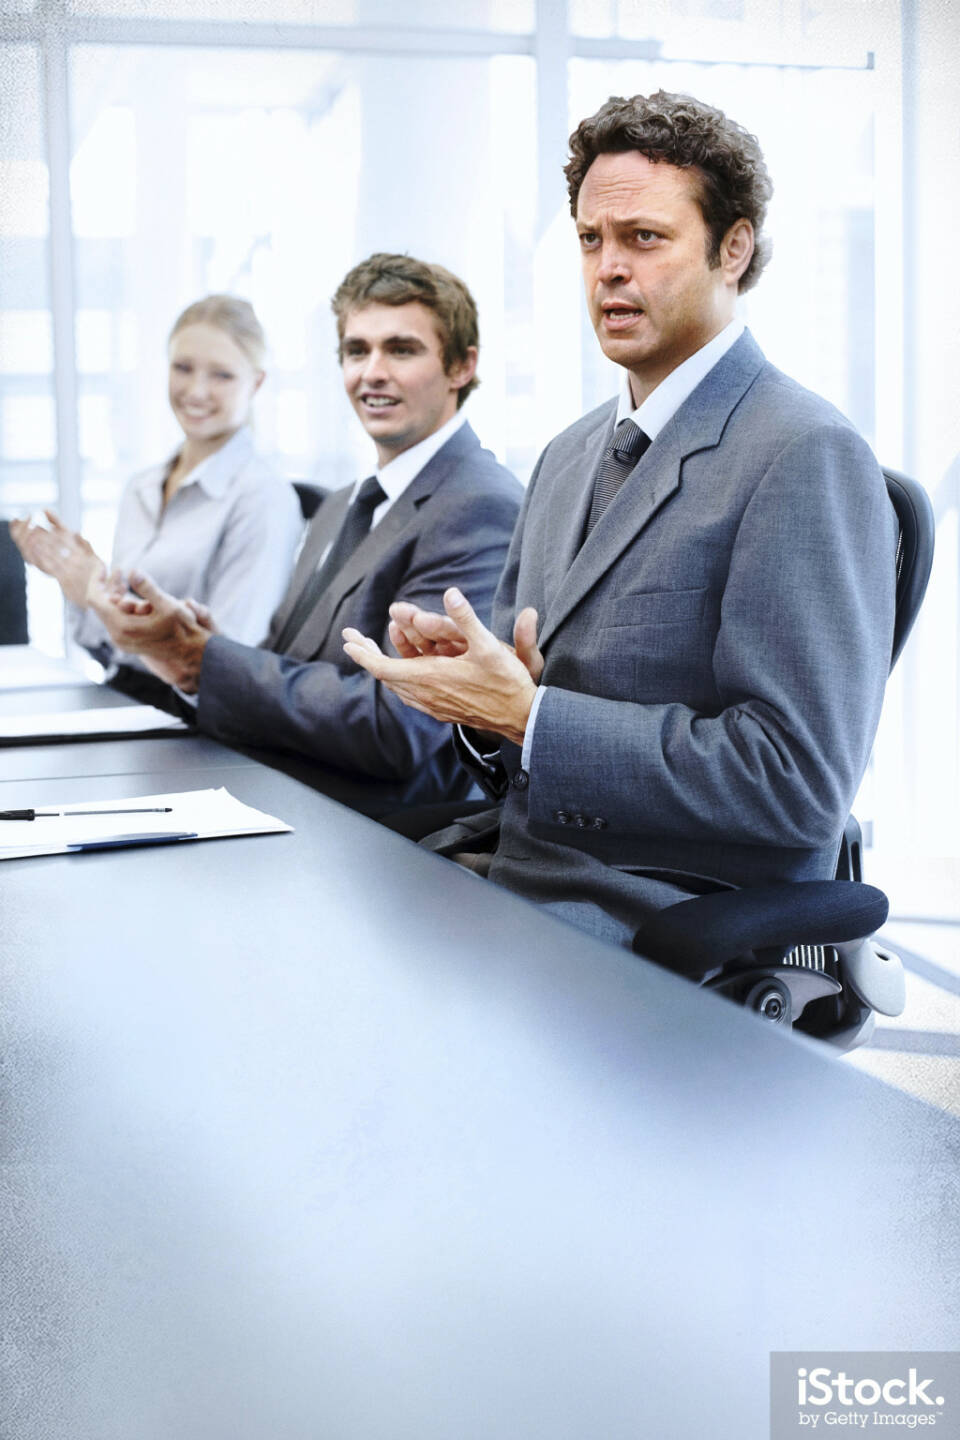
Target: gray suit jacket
{"type": "Point", "coordinates": [451, 526]}
{"type": "Point", "coordinates": [716, 652]}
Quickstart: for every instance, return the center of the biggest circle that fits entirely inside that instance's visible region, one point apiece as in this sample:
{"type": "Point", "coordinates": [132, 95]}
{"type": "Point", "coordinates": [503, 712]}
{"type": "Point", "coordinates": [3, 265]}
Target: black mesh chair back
{"type": "Point", "coordinates": [13, 591]}
{"type": "Point", "coordinates": [914, 552]}
{"type": "Point", "coordinates": [311, 497]}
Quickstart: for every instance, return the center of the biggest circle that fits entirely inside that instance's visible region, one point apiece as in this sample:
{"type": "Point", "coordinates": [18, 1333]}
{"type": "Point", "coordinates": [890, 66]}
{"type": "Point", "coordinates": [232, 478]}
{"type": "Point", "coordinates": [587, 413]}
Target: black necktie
{"type": "Point", "coordinates": [629, 443]}
{"type": "Point", "coordinates": [356, 524]}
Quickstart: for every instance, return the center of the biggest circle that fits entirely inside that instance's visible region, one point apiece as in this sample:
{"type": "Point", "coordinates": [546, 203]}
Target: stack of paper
{"type": "Point", "coordinates": [191, 815]}
{"type": "Point", "coordinates": [108, 722]}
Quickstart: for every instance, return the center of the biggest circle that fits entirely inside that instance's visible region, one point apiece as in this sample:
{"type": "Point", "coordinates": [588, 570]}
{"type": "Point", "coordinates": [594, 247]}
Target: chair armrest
{"type": "Point", "coordinates": [698, 935]}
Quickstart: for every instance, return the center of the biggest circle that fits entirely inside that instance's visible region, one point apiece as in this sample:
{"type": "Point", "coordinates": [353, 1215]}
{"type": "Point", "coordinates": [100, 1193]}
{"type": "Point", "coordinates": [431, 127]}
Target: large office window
{"type": "Point", "coordinates": [793, 32]}
{"type": "Point", "coordinates": [268, 174]}
{"type": "Point", "coordinates": [268, 171]}
{"type": "Point", "coordinates": [27, 428]}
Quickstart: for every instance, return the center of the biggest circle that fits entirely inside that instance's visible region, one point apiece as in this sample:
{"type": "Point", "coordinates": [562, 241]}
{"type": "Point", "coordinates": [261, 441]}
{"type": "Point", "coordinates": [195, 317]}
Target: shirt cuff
{"type": "Point", "coordinates": [531, 722]}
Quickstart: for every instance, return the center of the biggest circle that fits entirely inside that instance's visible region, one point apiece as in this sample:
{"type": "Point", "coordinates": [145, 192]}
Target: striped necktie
{"type": "Point", "coordinates": [629, 443]}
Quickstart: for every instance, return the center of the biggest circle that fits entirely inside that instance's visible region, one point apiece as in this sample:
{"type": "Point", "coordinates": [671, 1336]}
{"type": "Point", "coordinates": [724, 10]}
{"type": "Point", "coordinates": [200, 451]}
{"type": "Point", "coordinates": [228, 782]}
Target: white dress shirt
{"type": "Point", "coordinates": [227, 538]}
{"type": "Point", "coordinates": [403, 469]}
{"type": "Point", "coordinates": [652, 416]}
{"type": "Point", "coordinates": [663, 403]}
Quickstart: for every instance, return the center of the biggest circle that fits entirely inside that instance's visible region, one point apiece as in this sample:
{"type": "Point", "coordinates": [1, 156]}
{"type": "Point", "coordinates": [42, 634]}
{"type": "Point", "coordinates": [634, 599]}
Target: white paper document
{"type": "Point", "coordinates": [109, 721]}
{"type": "Point", "coordinates": [143, 820]}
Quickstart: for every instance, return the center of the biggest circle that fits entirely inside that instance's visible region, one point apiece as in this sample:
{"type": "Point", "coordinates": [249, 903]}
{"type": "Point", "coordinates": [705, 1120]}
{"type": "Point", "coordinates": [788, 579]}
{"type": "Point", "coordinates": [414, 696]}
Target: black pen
{"type": "Point", "coordinates": [65, 814]}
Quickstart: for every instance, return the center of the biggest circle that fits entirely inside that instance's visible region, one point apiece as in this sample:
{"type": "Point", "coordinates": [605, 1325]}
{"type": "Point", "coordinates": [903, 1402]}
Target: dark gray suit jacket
{"type": "Point", "coordinates": [451, 526]}
{"type": "Point", "coordinates": [716, 652]}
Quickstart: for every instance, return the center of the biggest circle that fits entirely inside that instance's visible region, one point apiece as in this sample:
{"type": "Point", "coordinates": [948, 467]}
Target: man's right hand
{"type": "Point", "coordinates": [483, 683]}
{"type": "Point", "coordinates": [203, 616]}
{"type": "Point", "coordinates": [416, 632]}
{"type": "Point", "coordinates": [170, 635]}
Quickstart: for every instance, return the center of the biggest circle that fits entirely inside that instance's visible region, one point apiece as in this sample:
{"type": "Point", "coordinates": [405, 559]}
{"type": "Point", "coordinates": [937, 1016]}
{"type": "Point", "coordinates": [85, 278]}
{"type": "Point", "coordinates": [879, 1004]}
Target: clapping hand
{"type": "Point", "coordinates": [60, 552]}
{"type": "Point", "coordinates": [144, 620]}
{"type": "Point", "coordinates": [455, 669]}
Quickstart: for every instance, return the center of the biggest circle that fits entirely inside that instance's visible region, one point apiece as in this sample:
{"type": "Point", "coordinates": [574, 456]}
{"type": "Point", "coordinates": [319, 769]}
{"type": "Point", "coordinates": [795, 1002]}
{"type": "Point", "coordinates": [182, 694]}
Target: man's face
{"type": "Point", "coordinates": [393, 372]}
{"type": "Point", "coordinates": [653, 298]}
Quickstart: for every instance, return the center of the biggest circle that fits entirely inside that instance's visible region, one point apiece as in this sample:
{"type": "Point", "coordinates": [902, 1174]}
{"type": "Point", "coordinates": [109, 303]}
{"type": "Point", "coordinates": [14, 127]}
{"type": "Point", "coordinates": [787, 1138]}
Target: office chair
{"type": "Point", "coordinates": [310, 496]}
{"type": "Point", "coordinates": [801, 953]}
{"type": "Point", "coordinates": [13, 591]}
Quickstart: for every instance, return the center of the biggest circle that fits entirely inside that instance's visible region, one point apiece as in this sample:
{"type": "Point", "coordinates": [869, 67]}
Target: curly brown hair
{"type": "Point", "coordinates": [678, 130]}
{"type": "Point", "coordinates": [400, 279]}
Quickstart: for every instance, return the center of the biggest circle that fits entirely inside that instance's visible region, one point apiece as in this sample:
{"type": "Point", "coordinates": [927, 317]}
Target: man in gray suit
{"type": "Point", "coordinates": [438, 511]}
{"type": "Point", "coordinates": [700, 589]}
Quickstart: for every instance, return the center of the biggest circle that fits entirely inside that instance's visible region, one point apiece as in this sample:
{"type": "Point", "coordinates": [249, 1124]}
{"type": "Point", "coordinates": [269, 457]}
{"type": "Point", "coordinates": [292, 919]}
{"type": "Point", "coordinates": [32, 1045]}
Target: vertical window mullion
{"type": "Point", "coordinates": [62, 292]}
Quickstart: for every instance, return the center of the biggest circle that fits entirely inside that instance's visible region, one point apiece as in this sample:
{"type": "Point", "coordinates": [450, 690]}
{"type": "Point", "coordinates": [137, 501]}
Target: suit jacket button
{"type": "Point", "coordinates": [598, 823]}
{"type": "Point", "coordinates": [561, 817]}
{"type": "Point", "coordinates": [521, 780]}
{"type": "Point", "coordinates": [580, 821]}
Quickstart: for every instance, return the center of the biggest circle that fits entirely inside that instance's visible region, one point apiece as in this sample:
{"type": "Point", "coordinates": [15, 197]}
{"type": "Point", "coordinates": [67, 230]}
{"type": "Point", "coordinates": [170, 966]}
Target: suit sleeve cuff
{"type": "Point", "coordinates": [482, 757]}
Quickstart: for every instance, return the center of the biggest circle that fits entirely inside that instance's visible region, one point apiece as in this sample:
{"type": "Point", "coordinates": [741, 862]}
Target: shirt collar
{"type": "Point", "coordinates": [214, 473]}
{"type": "Point", "coordinates": [664, 402]}
{"type": "Point", "coordinates": [404, 468]}
{"type": "Point", "coordinates": [217, 470]}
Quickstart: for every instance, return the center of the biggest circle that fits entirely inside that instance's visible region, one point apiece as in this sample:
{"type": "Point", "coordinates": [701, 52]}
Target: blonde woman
{"type": "Point", "coordinates": [213, 523]}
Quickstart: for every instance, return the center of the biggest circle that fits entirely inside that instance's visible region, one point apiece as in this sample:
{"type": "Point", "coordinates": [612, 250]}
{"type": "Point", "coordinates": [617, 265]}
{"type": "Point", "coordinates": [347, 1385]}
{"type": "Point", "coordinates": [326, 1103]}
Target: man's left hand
{"type": "Point", "coordinates": [487, 686]}
{"type": "Point", "coordinates": [144, 620]}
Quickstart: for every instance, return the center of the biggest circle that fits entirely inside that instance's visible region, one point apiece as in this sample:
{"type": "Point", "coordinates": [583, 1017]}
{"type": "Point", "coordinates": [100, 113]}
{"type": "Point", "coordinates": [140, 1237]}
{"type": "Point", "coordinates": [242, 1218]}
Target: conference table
{"type": "Point", "coordinates": [314, 1136]}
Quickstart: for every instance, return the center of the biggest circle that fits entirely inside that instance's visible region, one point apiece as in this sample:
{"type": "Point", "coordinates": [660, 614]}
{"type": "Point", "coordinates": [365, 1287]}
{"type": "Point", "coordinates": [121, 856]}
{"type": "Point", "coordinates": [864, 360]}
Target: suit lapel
{"type": "Point", "coordinates": [313, 634]}
{"type": "Point", "coordinates": [650, 484]}
{"type": "Point", "coordinates": [367, 557]}
{"type": "Point", "coordinates": [697, 425]}
{"type": "Point", "coordinates": [570, 501]}
{"type": "Point", "coordinates": [321, 532]}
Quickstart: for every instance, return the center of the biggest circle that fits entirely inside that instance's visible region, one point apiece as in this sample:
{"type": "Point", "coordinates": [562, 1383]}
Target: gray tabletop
{"type": "Point", "coordinates": [66, 690]}
{"type": "Point", "coordinates": [46, 700]}
{"type": "Point", "coordinates": [86, 760]}
{"type": "Point", "coordinates": [22, 759]}
{"type": "Point", "coordinates": [315, 1135]}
